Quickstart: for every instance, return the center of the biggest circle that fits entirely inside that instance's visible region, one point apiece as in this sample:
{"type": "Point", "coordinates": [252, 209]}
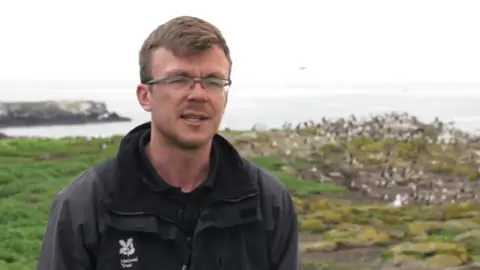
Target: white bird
{"type": "Point", "coordinates": [398, 202]}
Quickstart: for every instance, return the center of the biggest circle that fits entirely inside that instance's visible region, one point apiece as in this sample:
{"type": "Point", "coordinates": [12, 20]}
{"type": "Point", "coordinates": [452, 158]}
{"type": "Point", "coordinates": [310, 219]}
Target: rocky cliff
{"type": "Point", "coordinates": [16, 114]}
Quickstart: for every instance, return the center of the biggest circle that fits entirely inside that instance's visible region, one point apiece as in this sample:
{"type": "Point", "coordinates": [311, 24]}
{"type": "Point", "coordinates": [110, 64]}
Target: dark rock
{"type": "Point", "coordinates": [41, 113]}
{"type": "Point", "coordinates": [3, 136]}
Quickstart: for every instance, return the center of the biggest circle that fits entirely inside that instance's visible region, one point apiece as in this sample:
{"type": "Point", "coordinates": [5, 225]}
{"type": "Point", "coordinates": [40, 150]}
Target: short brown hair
{"type": "Point", "coordinates": [183, 36]}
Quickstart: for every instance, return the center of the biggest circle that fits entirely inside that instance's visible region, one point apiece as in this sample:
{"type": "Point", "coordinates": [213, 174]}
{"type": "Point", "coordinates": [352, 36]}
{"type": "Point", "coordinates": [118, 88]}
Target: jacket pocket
{"type": "Point", "coordinates": [138, 242]}
{"type": "Point", "coordinates": [234, 248]}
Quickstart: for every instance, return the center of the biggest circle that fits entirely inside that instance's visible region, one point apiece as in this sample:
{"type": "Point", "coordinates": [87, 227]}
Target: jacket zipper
{"type": "Point", "coordinates": [239, 199]}
{"type": "Point", "coordinates": [131, 214]}
{"type": "Point", "coordinates": [186, 265]}
{"type": "Point", "coordinates": [190, 240]}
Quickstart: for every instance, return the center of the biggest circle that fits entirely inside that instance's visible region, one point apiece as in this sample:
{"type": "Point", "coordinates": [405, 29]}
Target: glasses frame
{"type": "Point", "coordinates": [193, 81]}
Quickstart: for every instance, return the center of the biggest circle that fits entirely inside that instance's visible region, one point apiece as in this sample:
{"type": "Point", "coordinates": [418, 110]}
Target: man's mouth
{"type": "Point", "coordinates": [194, 117]}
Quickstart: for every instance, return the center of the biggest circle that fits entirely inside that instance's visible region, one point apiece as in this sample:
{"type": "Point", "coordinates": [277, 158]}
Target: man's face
{"type": "Point", "coordinates": [176, 111]}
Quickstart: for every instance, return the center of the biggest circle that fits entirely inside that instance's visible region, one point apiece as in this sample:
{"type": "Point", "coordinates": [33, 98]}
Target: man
{"type": "Point", "coordinates": [177, 195]}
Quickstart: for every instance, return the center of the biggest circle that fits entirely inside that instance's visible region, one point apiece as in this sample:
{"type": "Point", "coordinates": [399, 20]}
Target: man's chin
{"type": "Point", "coordinates": [192, 142]}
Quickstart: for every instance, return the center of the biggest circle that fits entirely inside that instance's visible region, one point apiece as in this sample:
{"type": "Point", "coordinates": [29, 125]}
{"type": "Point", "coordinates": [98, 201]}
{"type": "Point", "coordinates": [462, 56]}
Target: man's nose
{"type": "Point", "coordinates": [197, 92]}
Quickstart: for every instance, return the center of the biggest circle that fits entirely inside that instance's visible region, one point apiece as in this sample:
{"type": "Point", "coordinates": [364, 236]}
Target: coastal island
{"type": "Point", "coordinates": [58, 112]}
{"type": "Point", "coordinates": [383, 192]}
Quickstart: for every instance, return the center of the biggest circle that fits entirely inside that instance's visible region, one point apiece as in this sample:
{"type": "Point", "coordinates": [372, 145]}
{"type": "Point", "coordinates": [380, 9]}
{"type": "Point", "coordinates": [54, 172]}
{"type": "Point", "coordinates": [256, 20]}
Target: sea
{"type": "Point", "coordinates": [265, 105]}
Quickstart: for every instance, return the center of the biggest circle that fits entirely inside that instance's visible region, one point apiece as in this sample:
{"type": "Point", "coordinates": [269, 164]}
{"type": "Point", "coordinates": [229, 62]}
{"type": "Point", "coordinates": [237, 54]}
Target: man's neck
{"type": "Point", "coordinates": [179, 168]}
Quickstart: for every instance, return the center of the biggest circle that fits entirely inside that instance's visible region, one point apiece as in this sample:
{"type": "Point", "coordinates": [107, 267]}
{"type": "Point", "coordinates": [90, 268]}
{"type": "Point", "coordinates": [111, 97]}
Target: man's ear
{"type": "Point", "coordinates": [144, 96]}
{"type": "Point", "coordinates": [226, 100]}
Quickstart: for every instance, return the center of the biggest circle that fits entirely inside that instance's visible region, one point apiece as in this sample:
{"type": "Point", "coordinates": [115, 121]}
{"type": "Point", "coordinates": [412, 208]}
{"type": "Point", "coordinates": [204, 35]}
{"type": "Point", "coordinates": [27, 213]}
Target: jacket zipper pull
{"type": "Point", "coordinates": [219, 264]}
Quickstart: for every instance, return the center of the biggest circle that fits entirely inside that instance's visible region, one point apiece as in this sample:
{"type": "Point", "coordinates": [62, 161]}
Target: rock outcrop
{"type": "Point", "coordinates": [390, 157]}
{"type": "Point", "coordinates": [17, 114]}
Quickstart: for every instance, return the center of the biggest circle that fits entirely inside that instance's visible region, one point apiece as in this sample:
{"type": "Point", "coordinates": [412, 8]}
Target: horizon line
{"type": "Point", "coordinates": [248, 82]}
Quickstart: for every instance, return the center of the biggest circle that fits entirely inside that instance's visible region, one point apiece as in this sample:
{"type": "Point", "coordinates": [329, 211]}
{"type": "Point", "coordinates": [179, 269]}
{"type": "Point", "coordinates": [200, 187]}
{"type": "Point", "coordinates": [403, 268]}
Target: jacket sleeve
{"type": "Point", "coordinates": [69, 230]}
{"type": "Point", "coordinates": [284, 250]}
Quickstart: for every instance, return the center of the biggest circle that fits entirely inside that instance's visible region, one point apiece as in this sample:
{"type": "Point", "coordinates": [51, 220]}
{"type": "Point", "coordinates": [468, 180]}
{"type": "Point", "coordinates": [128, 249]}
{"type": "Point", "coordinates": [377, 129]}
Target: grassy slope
{"type": "Point", "coordinates": [33, 170]}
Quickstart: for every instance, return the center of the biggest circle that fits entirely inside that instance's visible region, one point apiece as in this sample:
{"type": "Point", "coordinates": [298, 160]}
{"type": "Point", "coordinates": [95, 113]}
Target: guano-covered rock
{"type": "Point", "coordinates": [59, 112]}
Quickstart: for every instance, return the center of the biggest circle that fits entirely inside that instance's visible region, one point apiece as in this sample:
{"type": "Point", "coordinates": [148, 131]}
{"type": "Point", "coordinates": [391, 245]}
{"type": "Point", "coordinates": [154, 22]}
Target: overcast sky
{"type": "Point", "coordinates": [359, 41]}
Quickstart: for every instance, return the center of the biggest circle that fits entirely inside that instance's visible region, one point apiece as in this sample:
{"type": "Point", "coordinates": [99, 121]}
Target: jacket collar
{"type": "Point", "coordinates": [129, 191]}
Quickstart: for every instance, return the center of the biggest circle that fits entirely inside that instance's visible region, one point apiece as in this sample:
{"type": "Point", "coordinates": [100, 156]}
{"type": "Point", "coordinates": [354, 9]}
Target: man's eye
{"type": "Point", "coordinates": [178, 81]}
{"type": "Point", "coordinates": [214, 82]}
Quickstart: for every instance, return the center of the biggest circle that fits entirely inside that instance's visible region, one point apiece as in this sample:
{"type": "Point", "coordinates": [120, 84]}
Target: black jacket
{"type": "Point", "coordinates": [111, 218]}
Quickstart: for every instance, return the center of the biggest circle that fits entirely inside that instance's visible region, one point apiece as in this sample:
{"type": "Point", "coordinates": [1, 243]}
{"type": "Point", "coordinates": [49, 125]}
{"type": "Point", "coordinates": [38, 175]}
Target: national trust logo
{"type": "Point", "coordinates": [127, 249]}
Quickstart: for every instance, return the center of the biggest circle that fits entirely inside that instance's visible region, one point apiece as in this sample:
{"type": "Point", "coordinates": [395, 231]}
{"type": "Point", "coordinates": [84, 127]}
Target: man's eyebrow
{"type": "Point", "coordinates": [215, 74]}
{"type": "Point", "coordinates": [178, 72]}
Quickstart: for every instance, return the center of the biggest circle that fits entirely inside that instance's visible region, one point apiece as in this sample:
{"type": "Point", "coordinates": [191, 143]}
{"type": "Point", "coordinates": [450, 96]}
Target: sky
{"type": "Point", "coordinates": [337, 41]}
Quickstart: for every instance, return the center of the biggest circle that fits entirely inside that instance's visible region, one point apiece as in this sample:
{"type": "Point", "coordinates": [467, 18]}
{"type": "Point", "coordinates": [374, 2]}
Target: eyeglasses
{"type": "Point", "coordinates": [211, 84]}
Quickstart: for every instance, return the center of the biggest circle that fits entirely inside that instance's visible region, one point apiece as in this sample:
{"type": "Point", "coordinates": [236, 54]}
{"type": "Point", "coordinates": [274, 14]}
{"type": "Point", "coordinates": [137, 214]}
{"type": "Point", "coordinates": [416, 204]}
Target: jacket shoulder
{"type": "Point", "coordinates": [83, 194]}
{"type": "Point", "coordinates": [275, 198]}
{"type": "Point", "coordinates": [269, 184]}
{"type": "Point", "coordinates": [280, 218]}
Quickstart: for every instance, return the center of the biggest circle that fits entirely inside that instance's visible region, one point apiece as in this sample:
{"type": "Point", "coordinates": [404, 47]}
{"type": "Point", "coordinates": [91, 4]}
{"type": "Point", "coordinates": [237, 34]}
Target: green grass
{"type": "Point", "coordinates": [301, 187]}
{"type": "Point", "coordinates": [306, 187]}
{"type": "Point", "coordinates": [33, 170]}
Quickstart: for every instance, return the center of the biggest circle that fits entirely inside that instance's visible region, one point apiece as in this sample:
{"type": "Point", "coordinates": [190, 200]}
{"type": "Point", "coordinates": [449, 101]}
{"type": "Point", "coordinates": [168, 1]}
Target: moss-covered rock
{"type": "Point", "coordinates": [350, 235]}
{"type": "Point", "coordinates": [428, 250]}
{"type": "Point", "coordinates": [442, 261]}
{"type": "Point", "coordinates": [312, 225]}
{"type": "Point", "coordinates": [449, 227]}
{"type": "Point", "coordinates": [403, 262]}
{"type": "Point", "coordinates": [316, 204]}
{"type": "Point", "coordinates": [471, 240]}
{"type": "Point", "coordinates": [300, 205]}
{"type": "Point", "coordinates": [460, 210]}
{"type": "Point", "coordinates": [311, 265]}
{"type": "Point", "coordinates": [325, 246]}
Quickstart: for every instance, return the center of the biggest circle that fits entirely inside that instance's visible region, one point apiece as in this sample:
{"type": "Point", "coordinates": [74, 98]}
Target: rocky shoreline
{"type": "Point", "coordinates": [43, 113]}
